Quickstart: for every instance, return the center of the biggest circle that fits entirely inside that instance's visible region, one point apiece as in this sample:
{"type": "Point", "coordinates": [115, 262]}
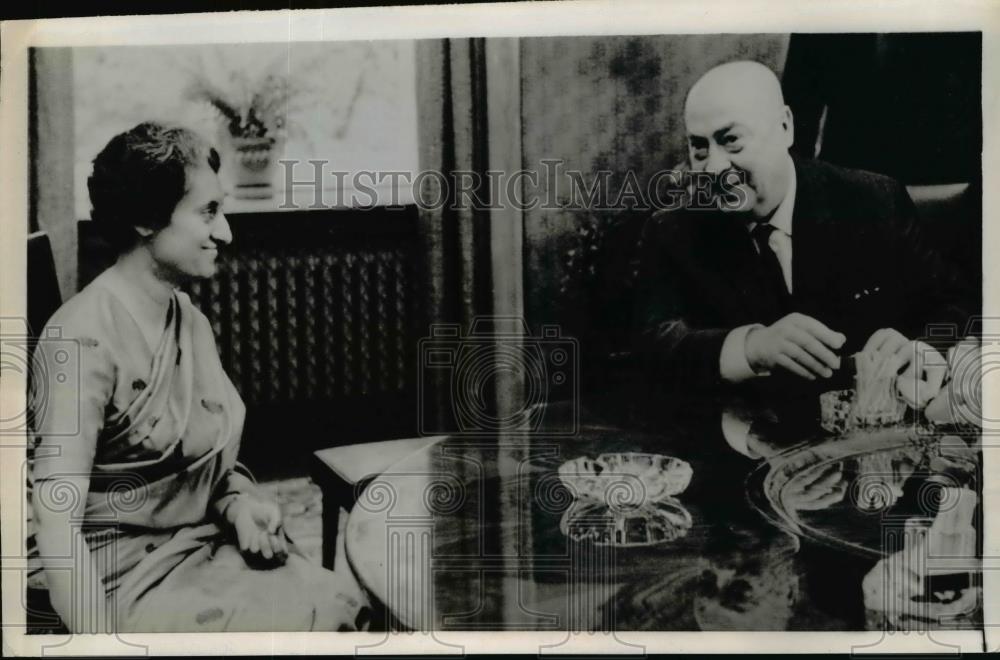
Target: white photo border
{"type": "Point", "coordinates": [492, 20]}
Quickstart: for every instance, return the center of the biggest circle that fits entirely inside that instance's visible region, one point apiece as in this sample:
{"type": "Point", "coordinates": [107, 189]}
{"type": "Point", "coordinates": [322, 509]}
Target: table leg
{"type": "Point", "coordinates": [331, 524]}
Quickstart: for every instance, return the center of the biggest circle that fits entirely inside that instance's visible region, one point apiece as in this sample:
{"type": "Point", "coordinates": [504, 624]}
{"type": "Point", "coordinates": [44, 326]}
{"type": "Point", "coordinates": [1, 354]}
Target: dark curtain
{"type": "Point", "coordinates": [456, 268]}
{"type": "Point", "coordinates": [905, 105]}
{"type": "Point", "coordinates": [908, 106]}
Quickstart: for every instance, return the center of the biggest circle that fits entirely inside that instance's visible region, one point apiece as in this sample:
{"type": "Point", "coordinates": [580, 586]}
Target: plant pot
{"type": "Point", "coordinates": [251, 163]}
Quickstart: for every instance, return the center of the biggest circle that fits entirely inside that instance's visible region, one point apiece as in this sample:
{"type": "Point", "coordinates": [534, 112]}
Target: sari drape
{"type": "Point", "coordinates": [162, 426]}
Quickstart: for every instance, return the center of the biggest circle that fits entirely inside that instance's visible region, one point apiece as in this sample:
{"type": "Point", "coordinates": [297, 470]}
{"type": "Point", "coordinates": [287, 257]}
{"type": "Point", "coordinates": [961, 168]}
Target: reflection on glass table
{"type": "Point", "coordinates": [933, 581]}
{"type": "Point", "coordinates": [630, 526]}
{"type": "Point", "coordinates": [905, 496]}
{"type": "Point", "coordinates": [528, 537]}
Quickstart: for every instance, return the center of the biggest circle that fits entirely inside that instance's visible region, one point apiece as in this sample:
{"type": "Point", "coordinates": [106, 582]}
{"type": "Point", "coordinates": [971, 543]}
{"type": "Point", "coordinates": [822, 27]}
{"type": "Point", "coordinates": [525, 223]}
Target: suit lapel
{"type": "Point", "coordinates": [811, 233]}
{"type": "Point", "coordinates": [727, 238]}
{"type": "Point", "coordinates": [737, 270]}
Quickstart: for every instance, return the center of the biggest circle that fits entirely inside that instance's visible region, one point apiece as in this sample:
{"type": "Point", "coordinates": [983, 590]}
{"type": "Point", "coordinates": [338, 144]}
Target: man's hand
{"type": "Point", "coordinates": [819, 487]}
{"type": "Point", "coordinates": [886, 344]}
{"type": "Point", "coordinates": [961, 401]}
{"type": "Point", "coordinates": [798, 343]}
{"type": "Point", "coordinates": [925, 366]}
{"type": "Point", "coordinates": [925, 371]}
{"type": "Point", "coordinates": [257, 524]}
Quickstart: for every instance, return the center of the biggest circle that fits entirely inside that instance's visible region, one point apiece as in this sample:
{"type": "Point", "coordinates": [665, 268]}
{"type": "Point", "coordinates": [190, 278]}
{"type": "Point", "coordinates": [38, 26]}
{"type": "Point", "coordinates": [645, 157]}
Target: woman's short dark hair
{"type": "Point", "coordinates": [140, 176]}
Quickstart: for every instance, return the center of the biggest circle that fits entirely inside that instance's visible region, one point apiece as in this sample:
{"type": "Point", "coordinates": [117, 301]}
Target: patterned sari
{"type": "Point", "coordinates": [163, 429]}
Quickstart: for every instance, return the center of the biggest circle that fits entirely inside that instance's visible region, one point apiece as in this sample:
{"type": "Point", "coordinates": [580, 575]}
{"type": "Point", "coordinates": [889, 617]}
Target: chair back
{"type": "Point", "coordinates": [607, 276]}
{"type": "Point", "coordinates": [44, 297]}
{"type": "Point", "coordinates": [951, 219]}
{"type": "Point", "coordinates": [938, 203]}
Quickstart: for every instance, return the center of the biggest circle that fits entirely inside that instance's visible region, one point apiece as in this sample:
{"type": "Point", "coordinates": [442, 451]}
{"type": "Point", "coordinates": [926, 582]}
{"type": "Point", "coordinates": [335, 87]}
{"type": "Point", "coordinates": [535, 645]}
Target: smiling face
{"type": "Point", "coordinates": [187, 247]}
{"type": "Point", "coordinates": [737, 121]}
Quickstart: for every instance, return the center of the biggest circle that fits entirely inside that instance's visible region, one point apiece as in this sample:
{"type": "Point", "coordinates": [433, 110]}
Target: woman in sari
{"type": "Point", "coordinates": [144, 520]}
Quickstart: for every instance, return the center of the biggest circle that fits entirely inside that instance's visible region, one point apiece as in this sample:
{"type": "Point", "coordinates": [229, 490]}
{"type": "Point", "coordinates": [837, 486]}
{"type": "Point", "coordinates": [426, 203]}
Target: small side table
{"type": "Point", "coordinates": [342, 472]}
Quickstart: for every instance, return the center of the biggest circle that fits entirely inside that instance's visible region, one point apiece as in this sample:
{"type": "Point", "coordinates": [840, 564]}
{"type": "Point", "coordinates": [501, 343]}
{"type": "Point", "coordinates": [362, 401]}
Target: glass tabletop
{"type": "Point", "coordinates": [627, 529]}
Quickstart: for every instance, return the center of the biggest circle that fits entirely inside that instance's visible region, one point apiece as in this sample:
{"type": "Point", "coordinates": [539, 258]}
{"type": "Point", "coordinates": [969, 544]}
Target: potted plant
{"type": "Point", "coordinates": [252, 128]}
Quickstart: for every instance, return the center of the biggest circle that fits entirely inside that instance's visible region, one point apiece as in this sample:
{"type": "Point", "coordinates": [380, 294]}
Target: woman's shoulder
{"type": "Point", "coordinates": [188, 307]}
{"type": "Point", "coordinates": [92, 312]}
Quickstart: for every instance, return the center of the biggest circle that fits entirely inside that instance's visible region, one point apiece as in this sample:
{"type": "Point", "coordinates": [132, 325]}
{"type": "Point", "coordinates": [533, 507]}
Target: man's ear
{"type": "Point", "coordinates": [144, 232]}
{"type": "Point", "coordinates": [788, 126]}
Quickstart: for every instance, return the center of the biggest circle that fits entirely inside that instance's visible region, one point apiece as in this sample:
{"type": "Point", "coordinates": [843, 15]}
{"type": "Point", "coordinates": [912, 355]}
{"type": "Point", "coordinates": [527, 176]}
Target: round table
{"type": "Point", "coordinates": [465, 535]}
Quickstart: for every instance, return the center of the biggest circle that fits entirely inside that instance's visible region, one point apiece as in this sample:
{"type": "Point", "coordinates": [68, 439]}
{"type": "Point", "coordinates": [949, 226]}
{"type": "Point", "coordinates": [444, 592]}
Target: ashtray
{"type": "Point", "coordinates": [648, 524]}
{"type": "Point", "coordinates": [843, 410]}
{"type": "Point", "coordinates": [625, 479]}
{"type": "Point", "coordinates": [835, 410]}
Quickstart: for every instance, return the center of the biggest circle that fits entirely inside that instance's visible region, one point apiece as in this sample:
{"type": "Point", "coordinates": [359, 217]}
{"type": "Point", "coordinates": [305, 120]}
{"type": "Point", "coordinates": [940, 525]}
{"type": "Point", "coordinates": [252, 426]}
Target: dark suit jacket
{"type": "Point", "coordinates": [858, 264]}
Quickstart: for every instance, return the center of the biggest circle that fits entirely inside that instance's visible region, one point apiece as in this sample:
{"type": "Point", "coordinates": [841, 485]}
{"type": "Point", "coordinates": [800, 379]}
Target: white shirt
{"type": "Point", "coordinates": [733, 363]}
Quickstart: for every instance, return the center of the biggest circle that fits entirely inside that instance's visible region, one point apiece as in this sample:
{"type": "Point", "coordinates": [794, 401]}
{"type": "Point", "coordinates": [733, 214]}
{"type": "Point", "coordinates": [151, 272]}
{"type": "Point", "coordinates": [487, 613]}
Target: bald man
{"type": "Point", "coordinates": [813, 263]}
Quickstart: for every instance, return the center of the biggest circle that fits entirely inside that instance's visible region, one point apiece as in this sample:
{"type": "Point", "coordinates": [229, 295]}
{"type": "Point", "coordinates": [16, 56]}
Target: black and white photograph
{"type": "Point", "coordinates": [496, 331]}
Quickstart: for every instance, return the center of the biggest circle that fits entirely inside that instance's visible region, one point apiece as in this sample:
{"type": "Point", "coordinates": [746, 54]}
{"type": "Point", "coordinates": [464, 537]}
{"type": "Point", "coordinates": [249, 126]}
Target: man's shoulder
{"type": "Point", "coordinates": [682, 219]}
{"type": "Point", "coordinates": [671, 228]}
{"type": "Point", "coordinates": [848, 185]}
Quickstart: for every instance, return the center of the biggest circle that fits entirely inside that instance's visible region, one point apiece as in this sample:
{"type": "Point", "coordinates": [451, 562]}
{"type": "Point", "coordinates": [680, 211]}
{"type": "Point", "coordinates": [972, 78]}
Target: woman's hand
{"type": "Point", "coordinates": [257, 524]}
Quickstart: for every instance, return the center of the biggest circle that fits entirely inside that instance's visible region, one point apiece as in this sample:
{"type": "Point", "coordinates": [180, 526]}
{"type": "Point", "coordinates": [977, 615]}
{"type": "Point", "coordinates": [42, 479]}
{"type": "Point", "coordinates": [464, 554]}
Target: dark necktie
{"type": "Point", "coordinates": [770, 266]}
